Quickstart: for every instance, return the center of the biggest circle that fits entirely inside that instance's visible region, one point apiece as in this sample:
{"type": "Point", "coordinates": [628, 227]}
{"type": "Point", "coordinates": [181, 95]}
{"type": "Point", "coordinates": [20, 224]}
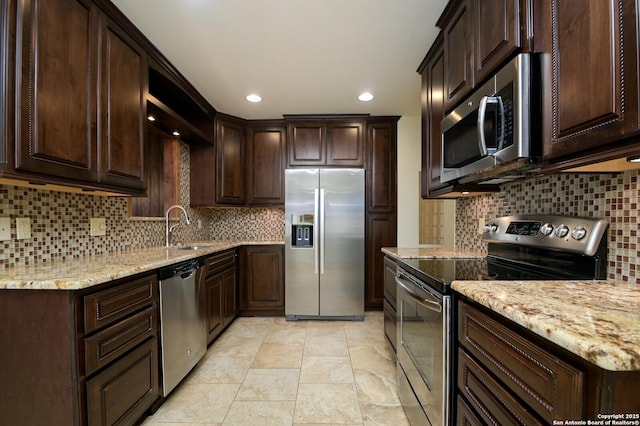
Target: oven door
{"type": "Point", "coordinates": [423, 328]}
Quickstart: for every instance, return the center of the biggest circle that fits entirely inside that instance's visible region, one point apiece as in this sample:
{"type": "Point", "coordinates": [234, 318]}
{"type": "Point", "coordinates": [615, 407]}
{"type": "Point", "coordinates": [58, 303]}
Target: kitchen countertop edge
{"type": "Point", "coordinates": [428, 253]}
{"type": "Point", "coordinates": [87, 271]}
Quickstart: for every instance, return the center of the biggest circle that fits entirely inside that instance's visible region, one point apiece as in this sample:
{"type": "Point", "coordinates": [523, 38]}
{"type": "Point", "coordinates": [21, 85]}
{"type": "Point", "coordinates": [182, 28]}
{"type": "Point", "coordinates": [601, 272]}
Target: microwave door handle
{"type": "Point", "coordinates": [482, 111]}
{"type": "Point", "coordinates": [502, 122]}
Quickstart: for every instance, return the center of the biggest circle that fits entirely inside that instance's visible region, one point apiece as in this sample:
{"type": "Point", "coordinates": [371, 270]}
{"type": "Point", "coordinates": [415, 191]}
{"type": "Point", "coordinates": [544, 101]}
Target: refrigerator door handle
{"type": "Point", "coordinates": [316, 208]}
{"type": "Point", "coordinates": [321, 231]}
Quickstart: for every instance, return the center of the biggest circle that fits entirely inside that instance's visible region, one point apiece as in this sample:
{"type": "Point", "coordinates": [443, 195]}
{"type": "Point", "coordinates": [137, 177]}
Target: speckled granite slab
{"type": "Point", "coordinates": [428, 253]}
{"type": "Point", "coordinates": [84, 272]}
{"type": "Point", "coordinates": [597, 320]}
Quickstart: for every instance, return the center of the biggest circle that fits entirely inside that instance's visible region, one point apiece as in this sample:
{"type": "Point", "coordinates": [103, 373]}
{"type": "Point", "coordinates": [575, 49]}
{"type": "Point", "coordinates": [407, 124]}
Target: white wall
{"type": "Point", "coordinates": [409, 165]}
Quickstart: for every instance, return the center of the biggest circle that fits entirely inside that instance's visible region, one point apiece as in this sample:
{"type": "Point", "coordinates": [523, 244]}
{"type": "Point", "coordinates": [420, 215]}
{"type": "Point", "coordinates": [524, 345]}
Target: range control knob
{"type": "Point", "coordinates": [546, 229]}
{"type": "Point", "coordinates": [562, 231]}
{"type": "Point", "coordinates": [493, 227]}
{"type": "Point", "coordinates": [578, 233]}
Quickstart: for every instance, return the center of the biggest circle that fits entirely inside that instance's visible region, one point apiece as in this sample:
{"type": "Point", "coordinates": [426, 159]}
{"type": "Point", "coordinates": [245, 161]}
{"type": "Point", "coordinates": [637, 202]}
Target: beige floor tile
{"type": "Point", "coordinates": [326, 341]}
{"type": "Point", "coordinates": [327, 403]}
{"type": "Point", "coordinates": [197, 403]}
{"type": "Point", "coordinates": [279, 356]}
{"type": "Point", "coordinates": [237, 344]}
{"type": "Point", "coordinates": [383, 415]}
{"type": "Point", "coordinates": [267, 413]}
{"type": "Point", "coordinates": [286, 335]}
{"type": "Point", "coordinates": [220, 369]}
{"type": "Point", "coordinates": [374, 387]}
{"type": "Point", "coordinates": [326, 370]}
{"type": "Point", "coordinates": [269, 385]}
{"type": "Point", "coordinates": [373, 357]}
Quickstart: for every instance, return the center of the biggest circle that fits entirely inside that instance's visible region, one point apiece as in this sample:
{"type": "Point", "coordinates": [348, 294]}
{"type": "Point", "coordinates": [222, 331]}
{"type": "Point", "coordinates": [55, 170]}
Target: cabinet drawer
{"type": "Point", "coordinates": [390, 318]}
{"type": "Point", "coordinates": [109, 344]}
{"type": "Point", "coordinates": [494, 403]}
{"type": "Point", "coordinates": [123, 391]}
{"type": "Point", "coordinates": [106, 307]}
{"type": "Point", "coordinates": [550, 386]}
{"type": "Point", "coordinates": [465, 416]}
{"type": "Point", "coordinates": [219, 261]}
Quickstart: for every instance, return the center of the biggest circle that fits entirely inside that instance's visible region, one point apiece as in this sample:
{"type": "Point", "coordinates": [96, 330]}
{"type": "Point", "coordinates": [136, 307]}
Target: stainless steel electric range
{"type": "Point", "coordinates": [524, 247]}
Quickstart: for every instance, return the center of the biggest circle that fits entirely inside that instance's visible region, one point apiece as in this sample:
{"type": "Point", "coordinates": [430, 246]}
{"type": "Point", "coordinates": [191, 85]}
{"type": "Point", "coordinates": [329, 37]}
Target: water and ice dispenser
{"type": "Point", "coordinates": [302, 230]}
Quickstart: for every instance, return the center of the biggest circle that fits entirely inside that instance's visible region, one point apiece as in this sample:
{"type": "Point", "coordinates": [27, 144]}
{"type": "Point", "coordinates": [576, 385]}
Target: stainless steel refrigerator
{"type": "Point", "coordinates": [324, 243]}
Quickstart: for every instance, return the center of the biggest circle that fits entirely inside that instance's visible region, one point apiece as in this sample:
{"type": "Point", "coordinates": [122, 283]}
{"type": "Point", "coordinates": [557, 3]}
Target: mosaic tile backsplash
{"type": "Point", "coordinates": [60, 223]}
{"type": "Point", "coordinates": [613, 197]}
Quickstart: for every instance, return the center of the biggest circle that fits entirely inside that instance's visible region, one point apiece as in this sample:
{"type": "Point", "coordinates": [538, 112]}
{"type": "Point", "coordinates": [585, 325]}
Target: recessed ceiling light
{"type": "Point", "coordinates": [254, 98]}
{"type": "Point", "coordinates": [176, 133]}
{"type": "Point", "coordinates": [365, 97]}
{"type": "Point", "coordinates": [151, 118]}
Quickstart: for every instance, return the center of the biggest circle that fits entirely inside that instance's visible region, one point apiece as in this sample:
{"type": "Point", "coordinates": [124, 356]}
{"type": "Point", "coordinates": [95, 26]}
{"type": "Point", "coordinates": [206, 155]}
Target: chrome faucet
{"type": "Point", "coordinates": [168, 229]}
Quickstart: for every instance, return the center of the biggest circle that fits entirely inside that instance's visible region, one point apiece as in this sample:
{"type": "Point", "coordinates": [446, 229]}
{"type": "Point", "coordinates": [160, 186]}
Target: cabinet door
{"type": "Point", "coordinates": [432, 115]}
{"type": "Point", "coordinates": [229, 295]}
{"type": "Point", "coordinates": [123, 76]}
{"type": "Point", "coordinates": [458, 55]}
{"type": "Point", "coordinates": [594, 74]}
{"type": "Point", "coordinates": [497, 29]}
{"type": "Point", "coordinates": [345, 144]}
{"type": "Point", "coordinates": [265, 165]}
{"type": "Point", "coordinates": [381, 166]}
{"type": "Point", "coordinates": [122, 392]}
{"type": "Point", "coordinates": [307, 144]}
{"type": "Point", "coordinates": [230, 140]}
{"type": "Point", "coordinates": [56, 91]}
{"type": "Point", "coordinates": [213, 285]}
{"type": "Point", "coordinates": [381, 232]}
{"type": "Point", "coordinates": [263, 279]}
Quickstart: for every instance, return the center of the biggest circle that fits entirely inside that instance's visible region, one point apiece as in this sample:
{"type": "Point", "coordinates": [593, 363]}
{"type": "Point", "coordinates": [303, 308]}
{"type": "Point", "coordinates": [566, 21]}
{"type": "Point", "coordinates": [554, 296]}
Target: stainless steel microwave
{"type": "Point", "coordinates": [496, 133]}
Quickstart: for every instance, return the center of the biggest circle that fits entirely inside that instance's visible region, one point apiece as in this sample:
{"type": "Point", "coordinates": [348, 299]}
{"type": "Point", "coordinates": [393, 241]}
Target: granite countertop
{"type": "Point", "coordinates": [428, 253]}
{"type": "Point", "coordinates": [597, 320]}
{"type": "Point", "coordinates": [84, 272]}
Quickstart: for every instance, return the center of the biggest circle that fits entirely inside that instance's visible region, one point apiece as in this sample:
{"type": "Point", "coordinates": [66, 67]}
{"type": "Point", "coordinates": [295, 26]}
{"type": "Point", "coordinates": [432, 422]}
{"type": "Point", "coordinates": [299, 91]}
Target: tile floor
{"type": "Point", "coordinates": [267, 371]}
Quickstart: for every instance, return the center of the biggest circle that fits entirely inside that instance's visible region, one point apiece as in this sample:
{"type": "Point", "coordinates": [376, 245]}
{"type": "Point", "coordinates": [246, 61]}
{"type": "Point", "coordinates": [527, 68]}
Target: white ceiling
{"type": "Point", "coordinates": [301, 56]}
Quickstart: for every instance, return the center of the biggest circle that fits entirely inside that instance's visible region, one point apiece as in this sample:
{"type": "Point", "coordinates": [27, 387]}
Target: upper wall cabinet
{"type": "Point", "coordinates": [75, 72]}
{"type": "Point", "coordinates": [594, 78]}
{"type": "Point", "coordinates": [244, 166]}
{"type": "Point", "coordinates": [479, 36]}
{"type": "Point", "coordinates": [266, 159]}
{"type": "Point", "coordinates": [316, 141]}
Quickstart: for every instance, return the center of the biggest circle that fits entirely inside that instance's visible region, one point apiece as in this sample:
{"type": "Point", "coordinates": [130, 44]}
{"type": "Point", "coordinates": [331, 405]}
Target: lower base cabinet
{"type": "Point", "coordinates": [390, 312]}
{"type": "Point", "coordinates": [508, 375]}
{"type": "Point", "coordinates": [77, 357]}
{"type": "Point", "coordinates": [262, 280]}
{"type": "Point", "coordinates": [220, 279]}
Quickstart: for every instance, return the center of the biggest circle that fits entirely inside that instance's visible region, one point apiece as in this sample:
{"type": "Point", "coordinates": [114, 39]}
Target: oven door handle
{"type": "Point", "coordinates": [429, 304]}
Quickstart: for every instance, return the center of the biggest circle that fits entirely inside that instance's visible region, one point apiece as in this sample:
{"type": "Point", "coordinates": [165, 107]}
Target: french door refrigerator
{"type": "Point", "coordinates": [324, 243]}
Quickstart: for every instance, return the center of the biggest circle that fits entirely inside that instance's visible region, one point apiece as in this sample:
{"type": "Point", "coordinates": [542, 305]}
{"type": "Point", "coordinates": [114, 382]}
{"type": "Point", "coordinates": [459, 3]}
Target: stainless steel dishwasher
{"type": "Point", "coordinates": [183, 323]}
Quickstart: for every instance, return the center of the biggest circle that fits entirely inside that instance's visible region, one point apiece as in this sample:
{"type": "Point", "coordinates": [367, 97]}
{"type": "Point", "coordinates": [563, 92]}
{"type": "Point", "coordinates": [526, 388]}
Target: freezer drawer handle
{"type": "Point", "coordinates": [429, 304]}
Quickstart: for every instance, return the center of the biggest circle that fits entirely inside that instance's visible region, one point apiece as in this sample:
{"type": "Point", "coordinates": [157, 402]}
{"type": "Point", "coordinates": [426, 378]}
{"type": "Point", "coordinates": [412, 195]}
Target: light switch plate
{"type": "Point", "coordinates": [5, 228]}
{"type": "Point", "coordinates": [98, 226]}
{"type": "Point", "coordinates": [23, 228]}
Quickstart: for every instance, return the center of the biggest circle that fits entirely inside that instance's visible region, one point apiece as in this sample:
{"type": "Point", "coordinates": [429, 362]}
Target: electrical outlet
{"type": "Point", "coordinates": [480, 225]}
{"type": "Point", "coordinates": [97, 226]}
{"type": "Point", "coordinates": [23, 228]}
{"type": "Point", "coordinates": [5, 228]}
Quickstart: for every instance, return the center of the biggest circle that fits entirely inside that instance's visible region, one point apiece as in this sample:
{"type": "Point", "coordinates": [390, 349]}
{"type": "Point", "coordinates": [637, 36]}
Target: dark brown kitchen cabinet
{"type": "Point", "coordinates": [100, 352]}
{"type": "Point", "coordinates": [509, 375]}
{"type": "Point", "coordinates": [594, 79]}
{"type": "Point", "coordinates": [79, 86]}
{"type": "Point", "coordinates": [244, 167]}
{"type": "Point", "coordinates": [390, 302]}
{"type": "Point", "coordinates": [230, 157]}
{"type": "Point", "coordinates": [381, 204]}
{"type": "Point", "coordinates": [123, 86]}
{"type": "Point", "coordinates": [380, 231]}
{"type": "Point", "coordinates": [478, 38]}
{"type": "Point", "coordinates": [266, 160]}
{"type": "Point", "coordinates": [262, 280]}
{"type": "Point", "coordinates": [221, 285]}
{"type": "Point", "coordinates": [432, 71]}
{"type": "Point", "coordinates": [457, 30]}
{"type": "Point", "coordinates": [317, 141]}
